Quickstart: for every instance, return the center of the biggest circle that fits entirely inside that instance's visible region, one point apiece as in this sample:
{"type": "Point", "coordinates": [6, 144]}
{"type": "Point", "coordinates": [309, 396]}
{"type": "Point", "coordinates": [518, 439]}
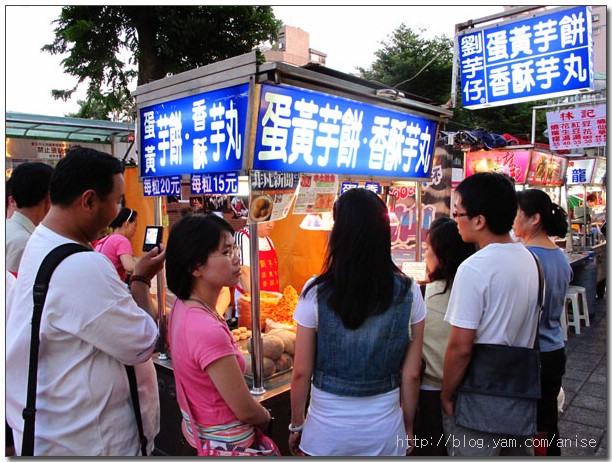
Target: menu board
{"type": "Point", "coordinates": [317, 193]}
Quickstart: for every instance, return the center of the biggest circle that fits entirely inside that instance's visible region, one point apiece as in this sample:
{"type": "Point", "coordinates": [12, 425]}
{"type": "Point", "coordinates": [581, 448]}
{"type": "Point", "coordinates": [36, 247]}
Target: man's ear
{"type": "Point", "coordinates": [87, 198]}
{"type": "Point", "coordinates": [481, 222]}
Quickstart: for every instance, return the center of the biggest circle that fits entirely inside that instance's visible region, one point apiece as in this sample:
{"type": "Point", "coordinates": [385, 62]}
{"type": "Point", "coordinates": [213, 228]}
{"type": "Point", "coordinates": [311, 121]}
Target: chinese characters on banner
{"type": "Point", "coordinates": [580, 171]}
{"type": "Point", "coordinates": [195, 134]}
{"type": "Point", "coordinates": [214, 183]}
{"type": "Point", "coordinates": [301, 130]}
{"type": "Point", "coordinates": [546, 55]}
{"type": "Point", "coordinates": [272, 194]}
{"type": "Point", "coordinates": [162, 186]}
{"type": "Point", "coordinates": [577, 128]}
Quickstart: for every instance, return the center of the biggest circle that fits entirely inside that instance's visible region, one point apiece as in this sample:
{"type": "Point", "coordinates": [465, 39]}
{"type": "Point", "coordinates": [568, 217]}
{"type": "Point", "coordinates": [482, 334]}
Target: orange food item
{"type": "Point", "coordinates": [272, 305]}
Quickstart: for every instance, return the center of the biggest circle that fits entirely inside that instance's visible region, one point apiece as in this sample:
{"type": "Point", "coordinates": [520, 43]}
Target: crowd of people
{"type": "Point", "coordinates": [378, 368]}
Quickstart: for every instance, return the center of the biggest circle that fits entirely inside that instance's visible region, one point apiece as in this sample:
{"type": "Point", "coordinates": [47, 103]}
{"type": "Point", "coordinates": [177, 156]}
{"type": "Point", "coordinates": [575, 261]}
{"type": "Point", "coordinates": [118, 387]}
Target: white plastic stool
{"type": "Point", "coordinates": [563, 322]}
{"type": "Point", "coordinates": [576, 297]}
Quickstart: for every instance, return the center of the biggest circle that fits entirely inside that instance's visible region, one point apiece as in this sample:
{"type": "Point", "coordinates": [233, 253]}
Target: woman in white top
{"type": "Point", "coordinates": [359, 341]}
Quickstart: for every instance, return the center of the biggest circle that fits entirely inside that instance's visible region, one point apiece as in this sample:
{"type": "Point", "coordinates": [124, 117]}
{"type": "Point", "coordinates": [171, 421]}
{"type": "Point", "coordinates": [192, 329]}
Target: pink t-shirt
{"type": "Point", "coordinates": [113, 246]}
{"type": "Point", "coordinates": [196, 340]}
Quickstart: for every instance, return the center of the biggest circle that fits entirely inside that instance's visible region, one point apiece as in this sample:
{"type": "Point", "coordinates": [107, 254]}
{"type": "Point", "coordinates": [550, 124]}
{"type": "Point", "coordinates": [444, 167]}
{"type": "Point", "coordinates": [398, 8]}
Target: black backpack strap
{"type": "Point", "coordinates": [41, 284]}
{"type": "Point", "coordinates": [131, 373]}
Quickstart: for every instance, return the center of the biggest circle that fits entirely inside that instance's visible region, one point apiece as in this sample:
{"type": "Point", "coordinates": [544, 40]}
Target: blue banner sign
{"type": "Point", "coordinates": [162, 186]}
{"type": "Point", "coordinates": [346, 185]}
{"type": "Point", "coordinates": [535, 58]}
{"type": "Point", "coordinates": [194, 134]}
{"type": "Point", "coordinates": [300, 130]}
{"type": "Point", "coordinates": [374, 187]}
{"type": "Point", "coordinates": [214, 183]}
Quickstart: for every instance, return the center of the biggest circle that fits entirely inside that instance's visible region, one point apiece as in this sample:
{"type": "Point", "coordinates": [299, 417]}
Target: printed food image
{"type": "Point", "coordinates": [261, 208]}
{"type": "Point", "coordinates": [324, 201]}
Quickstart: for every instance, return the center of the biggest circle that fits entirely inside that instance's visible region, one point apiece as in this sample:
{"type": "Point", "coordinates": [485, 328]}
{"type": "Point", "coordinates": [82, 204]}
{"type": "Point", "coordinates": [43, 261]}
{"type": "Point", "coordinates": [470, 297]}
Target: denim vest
{"type": "Point", "coordinates": [365, 361]}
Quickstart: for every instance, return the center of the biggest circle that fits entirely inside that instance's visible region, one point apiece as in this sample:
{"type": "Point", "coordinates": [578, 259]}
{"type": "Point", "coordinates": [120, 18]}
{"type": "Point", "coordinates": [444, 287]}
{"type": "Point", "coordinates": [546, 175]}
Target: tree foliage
{"type": "Point", "coordinates": [422, 69]}
{"type": "Point", "coordinates": [109, 46]}
{"type": "Point", "coordinates": [417, 66]}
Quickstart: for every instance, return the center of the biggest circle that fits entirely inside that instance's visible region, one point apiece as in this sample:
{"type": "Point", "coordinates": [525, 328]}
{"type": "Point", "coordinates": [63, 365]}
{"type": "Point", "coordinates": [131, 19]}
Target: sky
{"type": "Point", "coordinates": [348, 34]}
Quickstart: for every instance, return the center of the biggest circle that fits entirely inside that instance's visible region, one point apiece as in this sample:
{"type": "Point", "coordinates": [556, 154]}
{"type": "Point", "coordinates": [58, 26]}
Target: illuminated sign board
{"type": "Point", "coordinates": [546, 169]}
{"type": "Point", "coordinates": [580, 171]}
{"type": "Point", "coordinates": [194, 134]}
{"type": "Point", "coordinates": [524, 60]}
{"type": "Point", "coordinates": [513, 163]}
{"type": "Point", "coordinates": [302, 130]}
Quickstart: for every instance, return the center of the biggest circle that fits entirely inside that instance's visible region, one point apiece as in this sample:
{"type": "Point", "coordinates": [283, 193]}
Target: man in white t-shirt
{"type": "Point", "coordinates": [493, 301]}
{"type": "Point", "coordinates": [91, 325]}
{"type": "Point", "coordinates": [29, 186]}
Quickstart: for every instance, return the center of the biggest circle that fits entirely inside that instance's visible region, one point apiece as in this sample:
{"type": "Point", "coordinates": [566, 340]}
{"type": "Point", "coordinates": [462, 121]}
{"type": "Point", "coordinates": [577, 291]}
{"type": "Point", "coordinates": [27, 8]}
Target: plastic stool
{"type": "Point", "coordinates": [576, 297]}
{"type": "Point", "coordinates": [564, 321]}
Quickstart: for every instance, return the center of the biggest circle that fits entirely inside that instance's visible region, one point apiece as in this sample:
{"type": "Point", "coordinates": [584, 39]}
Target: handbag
{"type": "Point", "coordinates": [500, 389]}
{"type": "Point", "coordinates": [41, 285]}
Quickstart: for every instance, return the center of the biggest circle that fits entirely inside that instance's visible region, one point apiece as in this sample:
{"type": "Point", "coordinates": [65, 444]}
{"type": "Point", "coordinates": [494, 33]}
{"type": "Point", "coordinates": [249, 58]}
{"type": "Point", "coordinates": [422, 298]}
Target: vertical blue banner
{"type": "Point", "coordinates": [535, 58]}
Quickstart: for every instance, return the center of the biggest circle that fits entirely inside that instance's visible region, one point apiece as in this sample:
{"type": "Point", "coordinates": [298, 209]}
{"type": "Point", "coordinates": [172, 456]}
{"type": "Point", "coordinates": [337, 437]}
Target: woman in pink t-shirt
{"type": "Point", "coordinates": [201, 259]}
{"type": "Point", "coordinates": [117, 246]}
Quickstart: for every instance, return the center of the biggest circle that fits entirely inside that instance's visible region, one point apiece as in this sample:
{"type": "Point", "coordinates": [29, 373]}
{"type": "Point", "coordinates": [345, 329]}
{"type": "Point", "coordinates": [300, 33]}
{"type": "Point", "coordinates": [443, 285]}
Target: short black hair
{"type": "Point", "coordinates": [192, 239]}
{"type": "Point", "coordinates": [82, 169]}
{"type": "Point", "coordinates": [29, 183]}
{"type": "Point", "coordinates": [492, 195]}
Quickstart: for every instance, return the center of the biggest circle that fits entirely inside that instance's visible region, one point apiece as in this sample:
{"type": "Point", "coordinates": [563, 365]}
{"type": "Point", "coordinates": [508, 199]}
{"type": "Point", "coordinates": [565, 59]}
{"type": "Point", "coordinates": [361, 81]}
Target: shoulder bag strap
{"type": "Point", "coordinates": [41, 284]}
{"type": "Point", "coordinates": [131, 373]}
{"type": "Point", "coordinates": [541, 296]}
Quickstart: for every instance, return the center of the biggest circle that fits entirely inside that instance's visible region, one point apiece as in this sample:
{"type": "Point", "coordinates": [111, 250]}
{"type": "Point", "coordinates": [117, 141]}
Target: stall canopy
{"type": "Point", "coordinates": [69, 129]}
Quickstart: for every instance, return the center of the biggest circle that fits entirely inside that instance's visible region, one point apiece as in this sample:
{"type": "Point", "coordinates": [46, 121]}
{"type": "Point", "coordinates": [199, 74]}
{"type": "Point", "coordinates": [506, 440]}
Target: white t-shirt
{"type": "Point", "coordinates": [19, 228]}
{"type": "Point", "coordinates": [90, 328]}
{"type": "Point", "coordinates": [495, 292]}
{"type": "Point", "coordinates": [343, 425]}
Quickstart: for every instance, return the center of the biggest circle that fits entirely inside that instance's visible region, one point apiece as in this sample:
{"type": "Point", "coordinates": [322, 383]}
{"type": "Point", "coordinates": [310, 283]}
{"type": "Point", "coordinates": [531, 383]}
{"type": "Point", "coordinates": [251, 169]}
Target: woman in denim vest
{"type": "Point", "coordinates": [359, 341]}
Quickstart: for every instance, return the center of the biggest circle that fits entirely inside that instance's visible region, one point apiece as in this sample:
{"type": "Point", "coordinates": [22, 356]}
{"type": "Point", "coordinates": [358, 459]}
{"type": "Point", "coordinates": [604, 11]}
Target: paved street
{"type": "Point", "coordinates": [584, 422]}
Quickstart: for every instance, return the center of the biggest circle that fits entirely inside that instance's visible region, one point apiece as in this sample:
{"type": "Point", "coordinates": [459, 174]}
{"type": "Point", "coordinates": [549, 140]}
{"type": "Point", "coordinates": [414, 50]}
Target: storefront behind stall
{"type": "Point", "coordinates": [269, 123]}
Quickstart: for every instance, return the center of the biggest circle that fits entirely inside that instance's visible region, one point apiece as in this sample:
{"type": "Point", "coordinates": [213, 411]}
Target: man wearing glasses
{"type": "Point", "coordinates": [494, 300]}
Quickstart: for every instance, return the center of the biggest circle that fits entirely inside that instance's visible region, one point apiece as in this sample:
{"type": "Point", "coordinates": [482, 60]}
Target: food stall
{"type": "Point", "coordinates": [586, 177]}
{"type": "Point", "coordinates": [278, 126]}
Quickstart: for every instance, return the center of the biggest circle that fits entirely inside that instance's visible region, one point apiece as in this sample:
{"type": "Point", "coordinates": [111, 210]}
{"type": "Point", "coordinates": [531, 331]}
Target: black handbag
{"type": "Point", "coordinates": [41, 285]}
{"type": "Point", "coordinates": [500, 389]}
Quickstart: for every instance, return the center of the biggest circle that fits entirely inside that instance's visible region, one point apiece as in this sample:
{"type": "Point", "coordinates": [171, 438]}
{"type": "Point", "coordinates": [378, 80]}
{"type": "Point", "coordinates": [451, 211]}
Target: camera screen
{"type": "Point", "coordinates": [151, 236]}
